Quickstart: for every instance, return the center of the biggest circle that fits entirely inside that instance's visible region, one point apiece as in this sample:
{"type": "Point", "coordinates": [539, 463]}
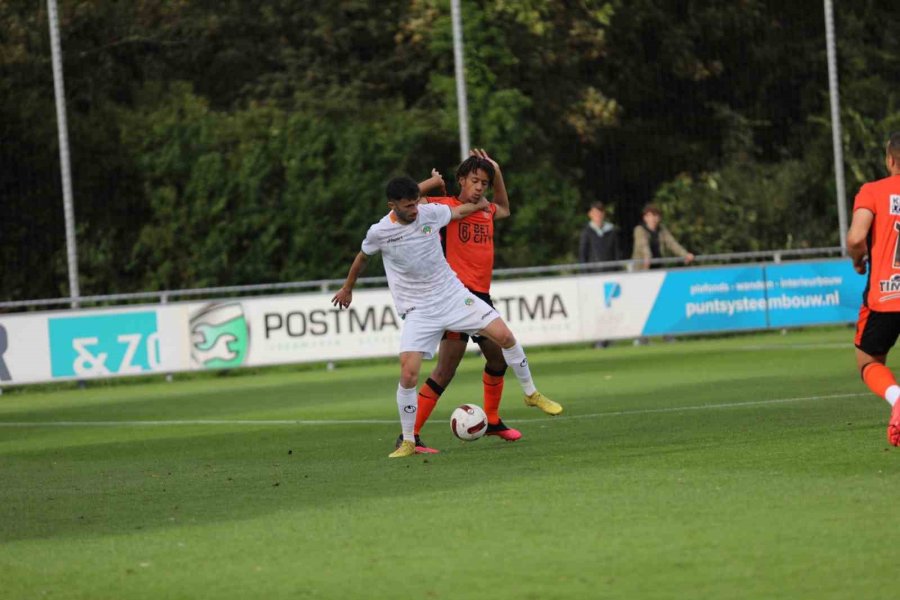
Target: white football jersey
{"type": "Point", "coordinates": [417, 272]}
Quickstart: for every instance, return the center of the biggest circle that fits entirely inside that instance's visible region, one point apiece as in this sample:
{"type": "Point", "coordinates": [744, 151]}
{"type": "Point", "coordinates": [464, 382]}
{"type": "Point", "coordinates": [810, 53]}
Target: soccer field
{"type": "Point", "coordinates": [749, 467]}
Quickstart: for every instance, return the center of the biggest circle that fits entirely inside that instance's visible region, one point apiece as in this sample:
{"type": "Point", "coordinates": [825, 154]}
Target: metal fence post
{"type": "Point", "coordinates": [836, 135]}
{"type": "Point", "coordinates": [164, 299]}
{"type": "Point", "coordinates": [64, 162]}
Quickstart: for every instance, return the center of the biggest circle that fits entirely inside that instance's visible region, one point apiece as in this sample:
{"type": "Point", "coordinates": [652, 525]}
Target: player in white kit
{"type": "Point", "coordinates": [428, 296]}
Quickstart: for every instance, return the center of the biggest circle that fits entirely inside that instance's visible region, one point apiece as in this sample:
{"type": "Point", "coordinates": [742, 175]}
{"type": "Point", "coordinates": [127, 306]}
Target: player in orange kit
{"type": "Point", "coordinates": [469, 248]}
{"type": "Point", "coordinates": [873, 239]}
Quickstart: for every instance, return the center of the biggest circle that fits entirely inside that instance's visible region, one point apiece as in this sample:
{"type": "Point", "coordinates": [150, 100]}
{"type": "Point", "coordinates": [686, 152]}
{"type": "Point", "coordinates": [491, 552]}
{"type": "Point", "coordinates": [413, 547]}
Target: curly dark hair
{"type": "Point", "coordinates": [472, 164]}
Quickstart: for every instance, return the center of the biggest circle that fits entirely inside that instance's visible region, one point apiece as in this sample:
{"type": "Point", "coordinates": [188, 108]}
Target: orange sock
{"type": "Point", "coordinates": [493, 391]}
{"type": "Point", "coordinates": [429, 394]}
{"type": "Point", "coordinates": [880, 380]}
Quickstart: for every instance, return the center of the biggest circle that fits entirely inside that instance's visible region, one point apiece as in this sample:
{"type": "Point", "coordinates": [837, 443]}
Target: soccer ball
{"type": "Point", "coordinates": [468, 422]}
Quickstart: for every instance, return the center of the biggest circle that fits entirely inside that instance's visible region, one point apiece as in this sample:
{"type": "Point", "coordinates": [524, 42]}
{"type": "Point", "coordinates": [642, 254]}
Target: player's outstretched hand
{"type": "Point", "coordinates": [439, 180]}
{"type": "Point", "coordinates": [343, 298]}
{"type": "Point", "coordinates": [480, 153]}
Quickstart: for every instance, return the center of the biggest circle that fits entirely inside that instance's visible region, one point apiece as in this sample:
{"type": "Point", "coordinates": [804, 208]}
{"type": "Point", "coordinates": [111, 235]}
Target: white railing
{"type": "Point", "coordinates": [164, 296]}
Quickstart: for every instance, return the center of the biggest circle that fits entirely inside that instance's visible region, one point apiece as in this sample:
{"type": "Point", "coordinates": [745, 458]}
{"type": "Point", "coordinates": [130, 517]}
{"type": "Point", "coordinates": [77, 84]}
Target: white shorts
{"type": "Point", "coordinates": [464, 312]}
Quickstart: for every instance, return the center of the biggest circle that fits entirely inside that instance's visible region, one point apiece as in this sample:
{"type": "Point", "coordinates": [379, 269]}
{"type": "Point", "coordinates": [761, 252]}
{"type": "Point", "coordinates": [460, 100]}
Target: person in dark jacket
{"type": "Point", "coordinates": [599, 243]}
{"type": "Point", "coordinates": [599, 239]}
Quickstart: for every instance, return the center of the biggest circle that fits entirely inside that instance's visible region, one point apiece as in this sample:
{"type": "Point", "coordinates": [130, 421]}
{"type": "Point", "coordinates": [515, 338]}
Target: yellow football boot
{"type": "Point", "coordinates": [544, 403]}
{"type": "Point", "coordinates": [407, 448]}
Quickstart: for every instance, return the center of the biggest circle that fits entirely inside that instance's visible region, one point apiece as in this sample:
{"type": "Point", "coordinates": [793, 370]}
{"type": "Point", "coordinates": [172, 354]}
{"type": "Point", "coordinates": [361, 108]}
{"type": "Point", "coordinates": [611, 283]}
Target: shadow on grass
{"type": "Point", "coordinates": [153, 479]}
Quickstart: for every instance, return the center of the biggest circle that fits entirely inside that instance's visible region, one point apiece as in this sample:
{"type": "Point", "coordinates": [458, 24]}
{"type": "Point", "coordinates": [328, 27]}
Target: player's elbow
{"type": "Point", "coordinates": [856, 243]}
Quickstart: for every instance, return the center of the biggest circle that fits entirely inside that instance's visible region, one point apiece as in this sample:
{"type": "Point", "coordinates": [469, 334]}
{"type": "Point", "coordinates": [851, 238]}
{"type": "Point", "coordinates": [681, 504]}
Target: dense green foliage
{"type": "Point", "coordinates": [218, 143]}
{"type": "Point", "coordinates": [761, 472]}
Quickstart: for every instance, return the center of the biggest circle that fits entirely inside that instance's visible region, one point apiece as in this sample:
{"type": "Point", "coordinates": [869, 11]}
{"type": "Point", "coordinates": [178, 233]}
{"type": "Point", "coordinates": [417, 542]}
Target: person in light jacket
{"type": "Point", "coordinates": [653, 240]}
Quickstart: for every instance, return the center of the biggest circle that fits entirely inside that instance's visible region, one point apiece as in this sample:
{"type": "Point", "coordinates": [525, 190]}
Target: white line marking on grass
{"type": "Point", "coordinates": [282, 422]}
{"type": "Point", "coordinates": [758, 347]}
{"type": "Point", "coordinates": [196, 422]}
{"type": "Point", "coordinates": [675, 409]}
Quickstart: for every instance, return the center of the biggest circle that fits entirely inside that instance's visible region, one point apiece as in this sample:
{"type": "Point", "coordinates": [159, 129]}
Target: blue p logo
{"type": "Point", "coordinates": [611, 291]}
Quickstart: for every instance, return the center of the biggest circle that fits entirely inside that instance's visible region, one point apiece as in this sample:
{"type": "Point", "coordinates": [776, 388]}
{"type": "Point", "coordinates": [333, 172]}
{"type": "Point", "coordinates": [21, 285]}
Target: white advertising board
{"type": "Point", "coordinates": [296, 328]}
{"type": "Point", "coordinates": [84, 344]}
{"type": "Point", "coordinates": [290, 329]}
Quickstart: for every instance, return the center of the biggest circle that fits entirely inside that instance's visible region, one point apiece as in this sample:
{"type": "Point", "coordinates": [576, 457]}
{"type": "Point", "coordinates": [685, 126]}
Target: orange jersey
{"type": "Point", "coordinates": [882, 198]}
{"type": "Point", "coordinates": [469, 246]}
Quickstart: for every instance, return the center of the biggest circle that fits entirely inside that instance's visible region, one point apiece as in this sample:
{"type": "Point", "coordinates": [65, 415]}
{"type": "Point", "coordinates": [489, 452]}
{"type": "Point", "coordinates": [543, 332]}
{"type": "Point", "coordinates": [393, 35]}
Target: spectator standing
{"type": "Point", "coordinates": [653, 240]}
{"type": "Point", "coordinates": [599, 239]}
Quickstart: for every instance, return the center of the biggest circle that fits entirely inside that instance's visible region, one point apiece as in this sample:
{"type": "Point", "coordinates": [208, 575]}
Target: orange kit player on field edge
{"type": "Point", "coordinates": [874, 238]}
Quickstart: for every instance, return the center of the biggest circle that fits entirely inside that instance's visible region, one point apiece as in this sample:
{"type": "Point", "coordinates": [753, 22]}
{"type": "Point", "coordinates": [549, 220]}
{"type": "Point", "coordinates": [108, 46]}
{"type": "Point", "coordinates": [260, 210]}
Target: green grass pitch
{"type": "Point", "coordinates": [753, 466]}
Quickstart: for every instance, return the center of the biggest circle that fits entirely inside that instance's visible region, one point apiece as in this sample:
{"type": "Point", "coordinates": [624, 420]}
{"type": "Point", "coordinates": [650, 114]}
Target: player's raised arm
{"type": "Point", "coordinates": [464, 210]}
{"type": "Point", "coordinates": [501, 198]}
{"type": "Point", "coordinates": [344, 296]}
{"type": "Point", "coordinates": [856, 238]}
{"type": "Point", "coordinates": [435, 182]}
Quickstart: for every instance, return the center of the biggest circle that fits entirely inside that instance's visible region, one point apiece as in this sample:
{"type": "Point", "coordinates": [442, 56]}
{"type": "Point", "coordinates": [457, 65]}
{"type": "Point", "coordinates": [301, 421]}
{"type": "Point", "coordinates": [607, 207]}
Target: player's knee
{"type": "Point", "coordinates": [443, 374]}
{"type": "Point", "coordinates": [497, 367]}
{"type": "Point", "coordinates": [506, 339]}
{"type": "Point", "coordinates": [409, 377]}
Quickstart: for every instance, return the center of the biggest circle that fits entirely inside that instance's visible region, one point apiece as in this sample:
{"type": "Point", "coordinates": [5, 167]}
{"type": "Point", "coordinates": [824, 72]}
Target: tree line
{"type": "Point", "coordinates": [228, 142]}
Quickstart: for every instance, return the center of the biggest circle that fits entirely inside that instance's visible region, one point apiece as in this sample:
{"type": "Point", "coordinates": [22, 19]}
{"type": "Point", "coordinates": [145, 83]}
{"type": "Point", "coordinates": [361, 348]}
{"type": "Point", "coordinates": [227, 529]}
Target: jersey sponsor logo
{"type": "Point", "coordinates": [396, 238]}
{"type": "Point", "coordinates": [890, 285]}
{"type": "Point", "coordinates": [895, 204]}
{"type": "Point", "coordinates": [4, 346]}
{"type": "Point", "coordinates": [104, 344]}
{"type": "Point", "coordinates": [220, 336]}
{"type": "Point", "coordinates": [611, 291]}
{"type": "Point", "coordinates": [477, 233]}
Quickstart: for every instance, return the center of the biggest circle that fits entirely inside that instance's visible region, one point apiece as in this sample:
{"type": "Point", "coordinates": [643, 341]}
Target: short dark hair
{"type": "Point", "coordinates": [651, 208]}
{"type": "Point", "coordinates": [893, 145]}
{"type": "Point", "coordinates": [402, 188]}
{"type": "Point", "coordinates": [474, 163]}
{"type": "Point", "coordinates": [599, 206]}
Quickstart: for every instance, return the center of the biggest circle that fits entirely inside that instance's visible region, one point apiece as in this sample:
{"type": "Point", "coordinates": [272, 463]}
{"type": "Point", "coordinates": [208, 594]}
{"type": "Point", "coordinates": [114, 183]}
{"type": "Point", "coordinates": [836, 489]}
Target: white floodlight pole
{"type": "Point", "coordinates": [63, 129]}
{"type": "Point", "coordinates": [836, 136]}
{"type": "Point", "coordinates": [462, 104]}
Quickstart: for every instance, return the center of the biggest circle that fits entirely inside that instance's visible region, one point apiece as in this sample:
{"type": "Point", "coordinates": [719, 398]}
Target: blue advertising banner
{"type": "Point", "coordinates": [814, 293]}
{"type": "Point", "coordinates": [96, 345]}
{"type": "Point", "coordinates": [756, 297]}
{"type": "Point", "coordinates": [693, 301]}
